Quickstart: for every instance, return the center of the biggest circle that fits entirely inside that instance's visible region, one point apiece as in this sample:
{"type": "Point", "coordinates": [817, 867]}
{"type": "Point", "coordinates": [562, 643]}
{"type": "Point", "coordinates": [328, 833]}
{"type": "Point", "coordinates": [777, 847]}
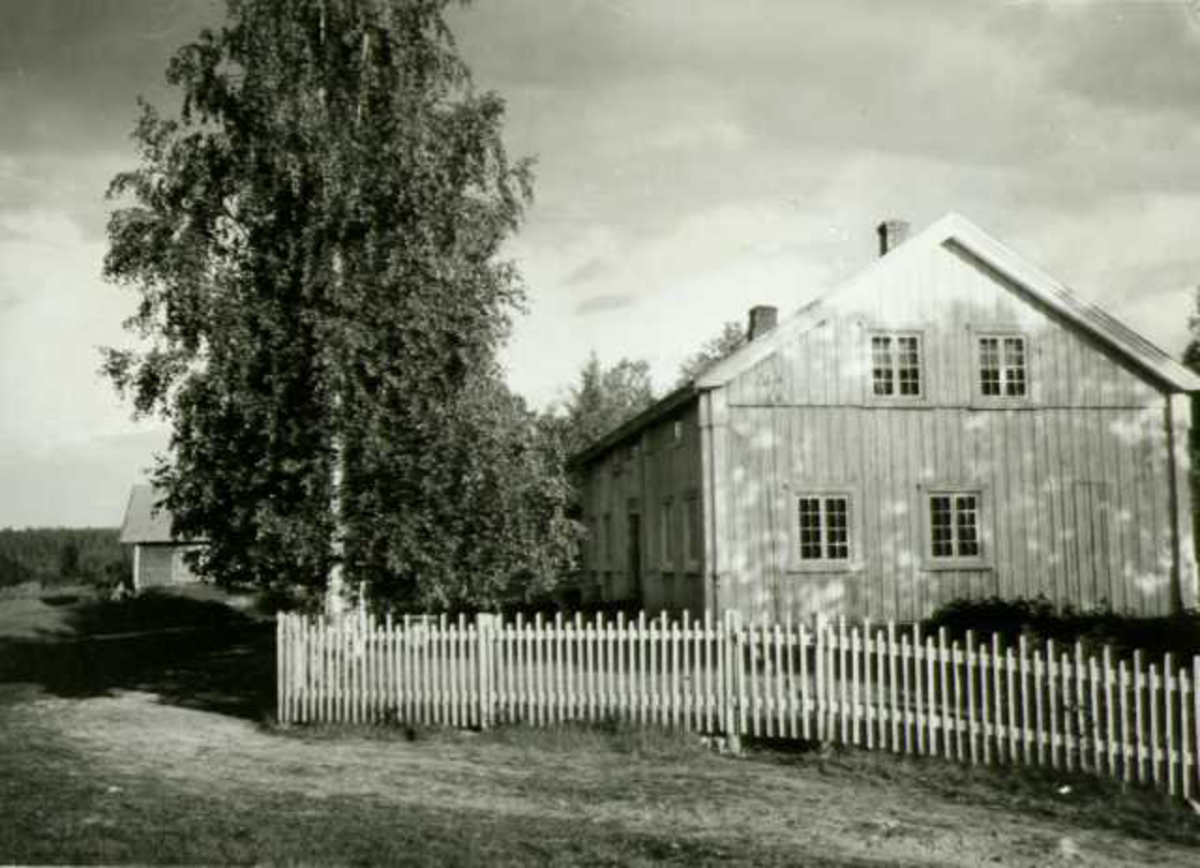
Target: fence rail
{"type": "Point", "coordinates": [879, 687]}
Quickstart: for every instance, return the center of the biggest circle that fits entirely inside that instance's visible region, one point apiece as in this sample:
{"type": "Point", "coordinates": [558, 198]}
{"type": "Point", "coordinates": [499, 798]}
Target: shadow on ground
{"type": "Point", "coordinates": [200, 654]}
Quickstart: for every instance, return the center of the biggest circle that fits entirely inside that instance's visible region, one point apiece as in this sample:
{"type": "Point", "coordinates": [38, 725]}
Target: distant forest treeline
{"type": "Point", "coordinates": [62, 555]}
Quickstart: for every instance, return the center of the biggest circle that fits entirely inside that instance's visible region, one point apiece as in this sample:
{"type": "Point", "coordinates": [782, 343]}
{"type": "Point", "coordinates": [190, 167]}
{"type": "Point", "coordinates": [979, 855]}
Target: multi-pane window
{"type": "Point", "coordinates": [1002, 371]}
{"type": "Point", "coordinates": [824, 527]}
{"type": "Point", "coordinates": [695, 530]}
{"type": "Point", "coordinates": [896, 365]}
{"type": "Point", "coordinates": [954, 525]}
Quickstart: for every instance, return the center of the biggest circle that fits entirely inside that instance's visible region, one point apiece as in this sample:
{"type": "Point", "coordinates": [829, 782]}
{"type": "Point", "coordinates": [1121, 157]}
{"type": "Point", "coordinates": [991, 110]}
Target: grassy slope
{"type": "Point", "coordinates": [125, 778]}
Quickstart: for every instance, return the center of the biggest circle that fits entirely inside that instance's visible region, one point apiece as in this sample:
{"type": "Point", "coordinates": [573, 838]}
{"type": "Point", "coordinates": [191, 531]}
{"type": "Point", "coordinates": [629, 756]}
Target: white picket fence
{"type": "Point", "coordinates": [878, 687]}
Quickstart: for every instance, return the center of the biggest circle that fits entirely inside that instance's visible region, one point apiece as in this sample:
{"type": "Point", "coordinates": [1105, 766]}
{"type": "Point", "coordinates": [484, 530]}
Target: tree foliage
{"type": "Point", "coordinates": [315, 241]}
{"type": "Point", "coordinates": [601, 400]}
{"type": "Point", "coordinates": [54, 555]}
{"type": "Point", "coordinates": [731, 338]}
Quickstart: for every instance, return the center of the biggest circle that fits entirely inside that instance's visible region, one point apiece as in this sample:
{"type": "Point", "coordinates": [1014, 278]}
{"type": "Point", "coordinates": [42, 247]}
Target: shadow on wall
{"type": "Point", "coordinates": [1072, 476]}
{"type": "Point", "coordinates": [198, 654]}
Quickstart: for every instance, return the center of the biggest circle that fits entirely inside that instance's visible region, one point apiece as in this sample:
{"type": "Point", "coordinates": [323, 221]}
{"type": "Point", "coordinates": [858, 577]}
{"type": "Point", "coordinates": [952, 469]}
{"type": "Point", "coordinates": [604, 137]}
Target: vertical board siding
{"type": "Point", "coordinates": [1076, 478]}
{"type": "Point", "coordinates": [662, 469]}
{"type": "Point", "coordinates": [1060, 523]}
{"type": "Point", "coordinates": [887, 688]}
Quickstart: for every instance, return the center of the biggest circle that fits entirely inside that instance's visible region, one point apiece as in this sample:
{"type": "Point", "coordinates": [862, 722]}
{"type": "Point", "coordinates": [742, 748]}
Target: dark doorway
{"type": "Point", "coordinates": [635, 555]}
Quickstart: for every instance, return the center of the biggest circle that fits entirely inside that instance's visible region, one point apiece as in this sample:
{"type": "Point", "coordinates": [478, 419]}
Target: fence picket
{"type": "Point", "coordinates": [1169, 683]}
{"type": "Point", "coordinates": [1138, 717]}
{"type": "Point", "coordinates": [1189, 761]}
{"type": "Point", "coordinates": [806, 691]}
{"type": "Point", "coordinates": [1039, 706]}
{"type": "Point", "coordinates": [820, 636]}
{"type": "Point", "coordinates": [1152, 701]}
{"type": "Point", "coordinates": [1110, 741]}
{"type": "Point", "coordinates": [1196, 720]}
{"type": "Point", "coordinates": [1010, 717]}
{"type": "Point", "coordinates": [956, 682]}
{"type": "Point", "coordinates": [912, 732]}
{"type": "Point", "coordinates": [894, 688]}
{"type": "Point", "coordinates": [931, 711]}
{"type": "Point", "coordinates": [941, 673]}
{"type": "Point", "coordinates": [869, 680]}
{"type": "Point", "coordinates": [789, 666]}
{"type": "Point", "coordinates": [997, 688]}
{"type": "Point", "coordinates": [1052, 689]}
{"type": "Point", "coordinates": [1186, 752]}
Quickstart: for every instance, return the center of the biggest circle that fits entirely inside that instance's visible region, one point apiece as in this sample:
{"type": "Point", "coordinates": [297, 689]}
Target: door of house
{"type": "Point", "coordinates": [1088, 538]}
{"type": "Point", "coordinates": [634, 570]}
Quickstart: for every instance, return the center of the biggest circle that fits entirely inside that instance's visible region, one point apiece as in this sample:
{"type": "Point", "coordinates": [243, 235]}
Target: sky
{"type": "Point", "coordinates": [694, 158]}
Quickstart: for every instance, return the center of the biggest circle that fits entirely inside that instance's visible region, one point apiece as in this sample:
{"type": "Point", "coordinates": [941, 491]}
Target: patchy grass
{"type": "Point", "coordinates": [126, 778]}
{"type": "Point", "coordinates": [1040, 793]}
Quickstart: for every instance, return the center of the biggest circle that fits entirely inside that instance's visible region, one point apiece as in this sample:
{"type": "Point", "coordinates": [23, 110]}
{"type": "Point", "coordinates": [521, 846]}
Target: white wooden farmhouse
{"type": "Point", "coordinates": [952, 422]}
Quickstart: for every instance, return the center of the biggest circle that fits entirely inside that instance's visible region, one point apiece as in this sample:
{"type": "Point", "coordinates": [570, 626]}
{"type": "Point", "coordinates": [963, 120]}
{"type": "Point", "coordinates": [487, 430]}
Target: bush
{"type": "Point", "coordinates": [1040, 620]}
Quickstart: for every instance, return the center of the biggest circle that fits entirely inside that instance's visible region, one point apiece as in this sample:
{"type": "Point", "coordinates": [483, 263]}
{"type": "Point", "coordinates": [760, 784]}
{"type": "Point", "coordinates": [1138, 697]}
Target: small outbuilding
{"type": "Point", "coordinates": [158, 554]}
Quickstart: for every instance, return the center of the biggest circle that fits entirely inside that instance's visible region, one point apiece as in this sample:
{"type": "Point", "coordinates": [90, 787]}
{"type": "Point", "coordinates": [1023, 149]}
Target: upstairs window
{"type": "Point", "coordinates": [1002, 366]}
{"type": "Point", "coordinates": [896, 366]}
{"type": "Point", "coordinates": [954, 526]}
{"type": "Point", "coordinates": [824, 527]}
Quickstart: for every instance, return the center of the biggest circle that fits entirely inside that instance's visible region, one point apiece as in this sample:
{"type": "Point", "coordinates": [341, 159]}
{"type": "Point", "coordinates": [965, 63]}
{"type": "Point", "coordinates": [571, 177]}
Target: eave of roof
{"type": "Point", "coordinates": [661, 408]}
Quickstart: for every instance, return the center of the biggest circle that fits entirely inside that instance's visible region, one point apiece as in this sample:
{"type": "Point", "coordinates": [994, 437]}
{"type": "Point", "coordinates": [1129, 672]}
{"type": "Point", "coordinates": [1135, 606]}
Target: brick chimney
{"type": "Point", "coordinates": [763, 318]}
{"type": "Point", "coordinates": [892, 233]}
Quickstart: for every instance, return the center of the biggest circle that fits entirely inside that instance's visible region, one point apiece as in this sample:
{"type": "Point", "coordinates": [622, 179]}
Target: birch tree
{"type": "Point", "coordinates": [314, 237]}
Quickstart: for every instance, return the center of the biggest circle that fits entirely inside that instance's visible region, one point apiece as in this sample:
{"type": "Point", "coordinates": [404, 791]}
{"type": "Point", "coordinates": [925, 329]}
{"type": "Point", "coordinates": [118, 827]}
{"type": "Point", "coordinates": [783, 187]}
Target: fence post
{"type": "Point", "coordinates": [733, 681]}
{"type": "Point", "coordinates": [484, 636]}
{"type": "Point", "coordinates": [280, 668]}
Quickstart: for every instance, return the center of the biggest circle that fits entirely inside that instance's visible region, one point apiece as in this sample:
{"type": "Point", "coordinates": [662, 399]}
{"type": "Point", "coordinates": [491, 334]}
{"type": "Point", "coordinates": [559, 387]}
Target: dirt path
{"type": "Point", "coordinates": [737, 808]}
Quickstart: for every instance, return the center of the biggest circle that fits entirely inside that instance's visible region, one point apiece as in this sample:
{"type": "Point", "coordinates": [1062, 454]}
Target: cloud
{"type": "Point", "coordinates": [7, 233]}
{"type": "Point", "coordinates": [593, 269]}
{"type": "Point", "coordinates": [70, 70]}
{"type": "Point", "coordinates": [605, 303]}
{"type": "Point", "coordinates": [1140, 56]}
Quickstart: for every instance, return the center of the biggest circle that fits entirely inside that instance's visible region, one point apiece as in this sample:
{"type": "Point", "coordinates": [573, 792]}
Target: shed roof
{"type": "Point", "coordinates": [146, 521]}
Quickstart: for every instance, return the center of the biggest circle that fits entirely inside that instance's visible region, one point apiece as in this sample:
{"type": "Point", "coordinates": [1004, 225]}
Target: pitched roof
{"type": "Point", "coordinates": [655, 411]}
{"type": "Point", "coordinates": [145, 520]}
{"type": "Point", "coordinates": [955, 230]}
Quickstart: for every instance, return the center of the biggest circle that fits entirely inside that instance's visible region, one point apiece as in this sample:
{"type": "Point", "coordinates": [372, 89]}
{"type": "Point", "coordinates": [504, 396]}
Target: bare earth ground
{"type": "Point", "coordinates": [156, 765]}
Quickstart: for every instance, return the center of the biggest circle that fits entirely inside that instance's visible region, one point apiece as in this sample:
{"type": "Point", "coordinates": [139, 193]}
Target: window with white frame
{"type": "Point", "coordinates": [824, 528]}
{"type": "Point", "coordinates": [896, 365]}
{"type": "Point", "coordinates": [954, 526]}
{"type": "Point", "coordinates": [1002, 366]}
